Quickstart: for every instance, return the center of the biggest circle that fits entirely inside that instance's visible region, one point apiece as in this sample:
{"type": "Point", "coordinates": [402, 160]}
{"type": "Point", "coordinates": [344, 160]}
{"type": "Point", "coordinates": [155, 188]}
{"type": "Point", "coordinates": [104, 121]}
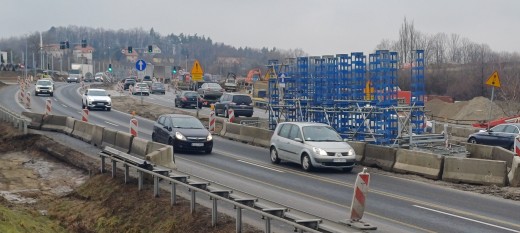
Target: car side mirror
{"type": "Point", "coordinates": [298, 140]}
{"type": "Point", "coordinates": [108, 95]}
{"type": "Point", "coordinates": [86, 93]}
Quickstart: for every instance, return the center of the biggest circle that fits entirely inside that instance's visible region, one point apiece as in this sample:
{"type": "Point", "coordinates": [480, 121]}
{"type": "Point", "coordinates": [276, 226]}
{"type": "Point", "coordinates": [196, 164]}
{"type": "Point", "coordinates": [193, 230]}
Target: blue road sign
{"type": "Point", "coordinates": [140, 65]}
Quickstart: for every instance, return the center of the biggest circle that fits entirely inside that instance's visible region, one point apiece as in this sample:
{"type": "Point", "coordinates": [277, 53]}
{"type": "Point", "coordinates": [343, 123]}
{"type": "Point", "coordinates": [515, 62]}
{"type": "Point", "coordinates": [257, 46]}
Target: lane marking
{"type": "Point", "coordinates": [110, 123]}
{"type": "Point", "coordinates": [64, 105]}
{"type": "Point", "coordinates": [257, 165]}
{"type": "Point", "coordinates": [302, 194]}
{"type": "Point", "coordinates": [468, 219]}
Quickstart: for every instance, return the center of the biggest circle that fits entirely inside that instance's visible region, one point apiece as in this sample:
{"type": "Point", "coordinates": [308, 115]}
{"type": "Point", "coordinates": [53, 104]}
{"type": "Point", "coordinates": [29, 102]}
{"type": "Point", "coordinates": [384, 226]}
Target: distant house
{"type": "Point", "coordinates": [54, 50]}
{"type": "Point", "coordinates": [130, 57]}
{"type": "Point", "coordinates": [83, 55]}
{"type": "Point", "coordinates": [228, 61]}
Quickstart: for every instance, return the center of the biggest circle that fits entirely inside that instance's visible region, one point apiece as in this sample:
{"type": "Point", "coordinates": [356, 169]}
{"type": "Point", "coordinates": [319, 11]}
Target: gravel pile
{"type": "Point", "coordinates": [476, 109]}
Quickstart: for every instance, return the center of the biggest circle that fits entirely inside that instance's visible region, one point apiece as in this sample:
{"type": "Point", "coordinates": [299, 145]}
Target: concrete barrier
{"type": "Point", "coordinates": [36, 120]}
{"type": "Point", "coordinates": [69, 125]}
{"type": "Point", "coordinates": [163, 157]}
{"type": "Point", "coordinates": [262, 137]}
{"type": "Point", "coordinates": [139, 146]}
{"type": "Point", "coordinates": [97, 136]}
{"type": "Point", "coordinates": [123, 141]}
{"type": "Point", "coordinates": [153, 146]}
{"type": "Point", "coordinates": [359, 148]}
{"type": "Point", "coordinates": [109, 137]}
{"type": "Point", "coordinates": [54, 123]}
{"type": "Point", "coordinates": [474, 171]}
{"type": "Point", "coordinates": [379, 156]}
{"type": "Point", "coordinates": [232, 131]}
{"type": "Point", "coordinates": [224, 128]}
{"type": "Point", "coordinates": [478, 151]}
{"type": "Point", "coordinates": [83, 131]}
{"type": "Point", "coordinates": [514, 174]}
{"type": "Point", "coordinates": [418, 162]}
{"type": "Point", "coordinates": [501, 154]}
{"type": "Point", "coordinates": [247, 133]}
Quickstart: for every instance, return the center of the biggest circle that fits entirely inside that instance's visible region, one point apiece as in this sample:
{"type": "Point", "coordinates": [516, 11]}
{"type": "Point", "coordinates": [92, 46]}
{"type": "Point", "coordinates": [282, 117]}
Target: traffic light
{"type": "Point", "coordinates": [150, 49]}
{"type": "Point", "coordinates": [67, 45]}
{"type": "Point", "coordinates": [174, 71]}
{"type": "Point", "coordinates": [109, 67]}
{"type": "Point", "coordinates": [83, 43]}
{"type": "Point", "coordinates": [62, 44]}
{"type": "Point", "coordinates": [130, 49]}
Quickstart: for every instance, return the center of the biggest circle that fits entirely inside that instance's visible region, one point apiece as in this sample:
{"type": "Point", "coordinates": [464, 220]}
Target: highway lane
{"type": "Point", "coordinates": [394, 204]}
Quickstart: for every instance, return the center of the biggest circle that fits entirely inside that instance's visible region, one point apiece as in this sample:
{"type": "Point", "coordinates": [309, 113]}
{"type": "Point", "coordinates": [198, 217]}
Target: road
{"type": "Point", "coordinates": [394, 204]}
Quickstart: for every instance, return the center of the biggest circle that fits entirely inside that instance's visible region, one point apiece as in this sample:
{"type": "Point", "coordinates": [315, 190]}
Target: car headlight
{"type": "Point", "coordinates": [180, 136]}
{"type": "Point", "coordinates": [209, 137]}
{"type": "Point", "coordinates": [319, 151]}
{"type": "Point", "coordinates": [351, 152]}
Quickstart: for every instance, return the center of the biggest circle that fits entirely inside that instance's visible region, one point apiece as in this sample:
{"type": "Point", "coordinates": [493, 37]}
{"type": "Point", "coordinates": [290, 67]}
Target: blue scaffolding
{"type": "Point", "coordinates": [418, 93]}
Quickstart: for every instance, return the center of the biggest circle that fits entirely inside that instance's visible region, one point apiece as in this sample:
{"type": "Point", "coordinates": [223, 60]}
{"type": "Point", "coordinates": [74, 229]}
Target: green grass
{"type": "Point", "coordinates": [14, 221]}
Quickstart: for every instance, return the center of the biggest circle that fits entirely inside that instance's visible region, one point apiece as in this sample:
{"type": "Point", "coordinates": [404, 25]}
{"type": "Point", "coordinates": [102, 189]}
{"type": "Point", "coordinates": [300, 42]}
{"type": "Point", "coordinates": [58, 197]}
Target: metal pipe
{"type": "Point", "coordinates": [102, 164]}
{"type": "Point", "coordinates": [139, 180]}
{"type": "Point", "coordinates": [267, 225]}
{"type": "Point", "coordinates": [239, 220]}
{"type": "Point", "coordinates": [173, 194]}
{"type": "Point", "coordinates": [214, 213]}
{"type": "Point", "coordinates": [127, 174]}
{"type": "Point", "coordinates": [192, 204]}
{"type": "Point", "coordinates": [113, 168]}
{"type": "Point", "coordinates": [155, 186]}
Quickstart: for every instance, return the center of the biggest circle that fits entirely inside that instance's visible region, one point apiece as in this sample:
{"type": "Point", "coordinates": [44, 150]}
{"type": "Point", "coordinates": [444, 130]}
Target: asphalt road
{"type": "Point", "coordinates": [393, 204]}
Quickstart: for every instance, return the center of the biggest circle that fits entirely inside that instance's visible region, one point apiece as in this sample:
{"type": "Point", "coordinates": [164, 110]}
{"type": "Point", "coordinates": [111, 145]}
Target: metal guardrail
{"type": "Point", "coordinates": [301, 221]}
{"type": "Point", "coordinates": [18, 121]}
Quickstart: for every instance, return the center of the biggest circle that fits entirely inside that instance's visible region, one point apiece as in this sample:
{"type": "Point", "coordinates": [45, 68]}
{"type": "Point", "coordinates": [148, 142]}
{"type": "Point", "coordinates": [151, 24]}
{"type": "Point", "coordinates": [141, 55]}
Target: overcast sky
{"type": "Point", "coordinates": [319, 27]}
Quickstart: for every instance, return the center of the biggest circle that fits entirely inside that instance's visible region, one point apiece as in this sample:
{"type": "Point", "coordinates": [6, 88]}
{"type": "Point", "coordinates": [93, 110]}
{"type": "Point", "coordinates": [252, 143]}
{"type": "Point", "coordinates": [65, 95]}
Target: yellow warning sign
{"type": "Point", "coordinates": [493, 80]}
{"type": "Point", "coordinates": [196, 71]}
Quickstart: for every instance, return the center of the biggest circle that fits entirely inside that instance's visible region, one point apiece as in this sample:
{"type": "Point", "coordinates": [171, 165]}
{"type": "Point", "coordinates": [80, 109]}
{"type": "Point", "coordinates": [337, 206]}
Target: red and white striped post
{"type": "Point", "coordinates": [48, 107]}
{"type": "Point", "coordinates": [517, 145]}
{"type": "Point", "coordinates": [231, 115]}
{"type": "Point", "coordinates": [212, 120]}
{"type": "Point", "coordinates": [28, 100]}
{"type": "Point", "coordinates": [360, 191]}
{"type": "Point", "coordinates": [82, 85]}
{"type": "Point", "coordinates": [134, 126]}
{"type": "Point", "coordinates": [130, 89]}
{"type": "Point", "coordinates": [84, 115]}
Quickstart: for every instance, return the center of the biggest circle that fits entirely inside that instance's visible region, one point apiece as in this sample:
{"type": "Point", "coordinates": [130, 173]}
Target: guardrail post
{"type": "Point", "coordinates": [113, 168]}
{"type": "Point", "coordinates": [239, 220]}
{"type": "Point", "coordinates": [267, 225]}
{"type": "Point", "coordinates": [25, 127]}
{"type": "Point", "coordinates": [127, 173]}
{"type": "Point", "coordinates": [192, 205]}
{"type": "Point", "coordinates": [139, 180]}
{"type": "Point", "coordinates": [214, 212]}
{"type": "Point", "coordinates": [102, 164]}
{"type": "Point", "coordinates": [155, 186]}
{"type": "Point", "coordinates": [173, 194]}
{"type": "Point", "coordinates": [20, 124]}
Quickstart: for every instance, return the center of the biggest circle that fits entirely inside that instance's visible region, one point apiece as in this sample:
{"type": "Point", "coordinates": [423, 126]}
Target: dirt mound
{"type": "Point", "coordinates": [476, 109]}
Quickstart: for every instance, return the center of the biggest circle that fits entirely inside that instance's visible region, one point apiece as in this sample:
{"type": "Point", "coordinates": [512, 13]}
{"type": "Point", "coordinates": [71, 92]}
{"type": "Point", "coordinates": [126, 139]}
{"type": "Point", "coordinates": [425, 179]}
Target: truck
{"type": "Point", "coordinates": [84, 70]}
{"type": "Point", "coordinates": [230, 84]}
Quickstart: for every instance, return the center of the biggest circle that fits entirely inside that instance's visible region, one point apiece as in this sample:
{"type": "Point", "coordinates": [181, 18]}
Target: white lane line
{"type": "Point", "coordinates": [254, 164]}
{"type": "Point", "coordinates": [110, 123]}
{"type": "Point", "coordinates": [469, 219]}
{"type": "Point", "coordinates": [64, 105]}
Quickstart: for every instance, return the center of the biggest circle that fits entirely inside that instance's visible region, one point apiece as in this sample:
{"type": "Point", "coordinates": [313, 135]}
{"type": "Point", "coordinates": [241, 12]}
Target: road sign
{"type": "Point", "coordinates": [140, 65]}
{"type": "Point", "coordinates": [493, 80]}
{"type": "Point", "coordinates": [196, 71]}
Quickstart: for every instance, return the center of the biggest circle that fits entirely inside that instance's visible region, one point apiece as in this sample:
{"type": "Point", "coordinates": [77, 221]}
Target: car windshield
{"type": "Point", "coordinates": [187, 122]}
{"type": "Point", "coordinates": [157, 85]}
{"type": "Point", "coordinates": [191, 94]}
{"type": "Point", "coordinates": [97, 93]}
{"type": "Point", "coordinates": [43, 82]}
{"type": "Point", "coordinates": [321, 133]}
{"type": "Point", "coordinates": [213, 85]}
{"type": "Point", "coordinates": [142, 85]}
{"type": "Point", "coordinates": [130, 81]}
{"type": "Point", "coordinates": [241, 99]}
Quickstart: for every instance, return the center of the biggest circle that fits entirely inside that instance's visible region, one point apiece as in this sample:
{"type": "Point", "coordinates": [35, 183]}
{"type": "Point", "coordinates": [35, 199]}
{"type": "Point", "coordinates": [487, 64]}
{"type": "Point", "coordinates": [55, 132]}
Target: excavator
{"type": "Point", "coordinates": [256, 81]}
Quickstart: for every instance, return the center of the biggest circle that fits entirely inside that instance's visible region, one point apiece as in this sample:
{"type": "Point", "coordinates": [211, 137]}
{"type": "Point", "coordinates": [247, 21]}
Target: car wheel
{"type": "Point", "coordinates": [306, 163]}
{"type": "Point", "coordinates": [274, 156]}
{"type": "Point", "coordinates": [153, 137]}
{"type": "Point", "coordinates": [348, 169]}
{"type": "Point", "coordinates": [473, 141]}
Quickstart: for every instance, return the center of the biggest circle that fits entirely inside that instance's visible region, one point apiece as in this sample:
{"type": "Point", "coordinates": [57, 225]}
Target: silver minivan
{"type": "Point", "coordinates": [313, 145]}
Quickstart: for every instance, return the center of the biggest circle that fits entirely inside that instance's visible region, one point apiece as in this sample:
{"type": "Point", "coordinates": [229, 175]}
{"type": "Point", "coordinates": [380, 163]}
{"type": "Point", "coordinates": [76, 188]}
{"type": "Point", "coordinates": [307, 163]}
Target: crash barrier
{"type": "Point", "coordinates": [22, 122]}
{"type": "Point", "coordinates": [359, 148]}
{"type": "Point", "coordinates": [514, 173]}
{"type": "Point", "coordinates": [269, 211]}
{"type": "Point", "coordinates": [474, 171]}
{"type": "Point", "coordinates": [163, 156]}
{"type": "Point", "coordinates": [36, 119]}
{"type": "Point", "coordinates": [247, 134]}
{"type": "Point", "coordinates": [54, 123]}
{"type": "Point", "coordinates": [232, 131]}
{"type": "Point", "coordinates": [419, 162]}
{"type": "Point", "coordinates": [379, 156]}
{"type": "Point", "coordinates": [83, 131]}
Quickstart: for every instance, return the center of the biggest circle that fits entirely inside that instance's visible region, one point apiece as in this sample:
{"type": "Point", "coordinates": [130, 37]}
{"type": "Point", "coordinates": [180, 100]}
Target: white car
{"type": "Point", "coordinates": [96, 98]}
{"type": "Point", "coordinates": [312, 145]}
{"type": "Point", "coordinates": [44, 86]}
{"type": "Point", "coordinates": [141, 89]}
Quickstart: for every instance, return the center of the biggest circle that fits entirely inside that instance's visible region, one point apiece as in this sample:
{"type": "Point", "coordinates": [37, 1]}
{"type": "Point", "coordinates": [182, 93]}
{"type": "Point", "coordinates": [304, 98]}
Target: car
{"type": "Point", "coordinates": [141, 89]}
{"type": "Point", "coordinates": [99, 77]}
{"type": "Point", "coordinates": [96, 98]}
{"type": "Point", "coordinates": [502, 135]}
{"type": "Point", "coordinates": [183, 132]}
{"type": "Point", "coordinates": [157, 88]}
{"type": "Point", "coordinates": [73, 78]}
{"type": "Point", "coordinates": [210, 89]}
{"type": "Point", "coordinates": [147, 80]}
{"type": "Point", "coordinates": [312, 145]}
{"type": "Point", "coordinates": [242, 104]}
{"type": "Point", "coordinates": [44, 86]}
{"type": "Point", "coordinates": [188, 99]}
{"type": "Point", "coordinates": [128, 82]}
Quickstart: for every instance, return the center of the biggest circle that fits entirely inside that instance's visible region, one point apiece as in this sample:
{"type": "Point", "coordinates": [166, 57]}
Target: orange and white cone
{"type": "Point", "coordinates": [133, 127]}
{"type": "Point", "coordinates": [360, 192]}
{"type": "Point", "coordinates": [48, 107]}
{"type": "Point", "coordinates": [231, 115]}
{"type": "Point", "coordinates": [212, 120]}
{"type": "Point", "coordinates": [28, 100]}
{"type": "Point", "coordinates": [84, 115]}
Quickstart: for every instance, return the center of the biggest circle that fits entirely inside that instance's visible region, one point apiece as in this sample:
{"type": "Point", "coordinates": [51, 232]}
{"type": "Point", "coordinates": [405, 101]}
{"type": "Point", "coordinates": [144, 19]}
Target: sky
{"type": "Point", "coordinates": [318, 27]}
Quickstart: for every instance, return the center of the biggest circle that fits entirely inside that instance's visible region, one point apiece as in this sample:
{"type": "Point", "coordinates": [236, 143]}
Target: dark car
{"type": "Point", "coordinates": [188, 99]}
{"type": "Point", "coordinates": [157, 88]}
{"type": "Point", "coordinates": [129, 82]}
{"type": "Point", "coordinates": [73, 78]}
{"type": "Point", "coordinates": [242, 105]}
{"type": "Point", "coordinates": [183, 132]}
{"type": "Point", "coordinates": [502, 135]}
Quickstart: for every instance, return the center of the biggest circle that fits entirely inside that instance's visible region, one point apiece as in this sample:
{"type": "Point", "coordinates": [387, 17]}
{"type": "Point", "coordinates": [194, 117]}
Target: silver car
{"type": "Point", "coordinates": [313, 145]}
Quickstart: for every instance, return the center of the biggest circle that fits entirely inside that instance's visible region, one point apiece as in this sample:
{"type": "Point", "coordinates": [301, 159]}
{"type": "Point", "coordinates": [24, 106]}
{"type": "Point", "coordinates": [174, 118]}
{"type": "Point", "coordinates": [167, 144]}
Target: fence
{"type": "Point", "coordinates": [18, 121]}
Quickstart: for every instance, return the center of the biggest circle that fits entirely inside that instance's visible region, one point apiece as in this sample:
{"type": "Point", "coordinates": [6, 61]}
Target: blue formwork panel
{"type": "Point", "coordinates": [418, 92]}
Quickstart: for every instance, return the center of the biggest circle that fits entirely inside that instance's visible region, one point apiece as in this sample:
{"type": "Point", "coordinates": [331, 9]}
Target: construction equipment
{"type": "Point", "coordinates": [230, 84]}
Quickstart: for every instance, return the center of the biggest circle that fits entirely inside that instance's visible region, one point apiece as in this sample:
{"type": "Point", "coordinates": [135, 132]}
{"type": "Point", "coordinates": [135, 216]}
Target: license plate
{"type": "Point", "coordinates": [197, 144]}
{"type": "Point", "coordinates": [339, 160]}
{"type": "Point", "coordinates": [100, 104]}
{"type": "Point", "coordinates": [193, 105]}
